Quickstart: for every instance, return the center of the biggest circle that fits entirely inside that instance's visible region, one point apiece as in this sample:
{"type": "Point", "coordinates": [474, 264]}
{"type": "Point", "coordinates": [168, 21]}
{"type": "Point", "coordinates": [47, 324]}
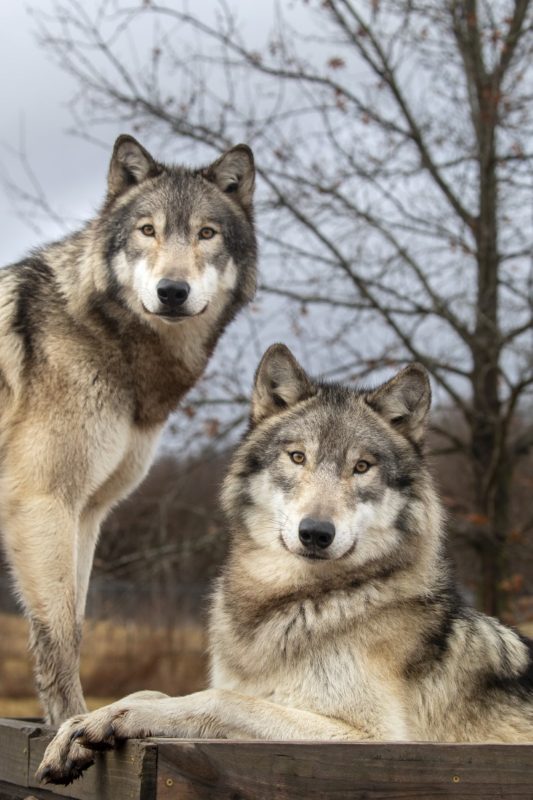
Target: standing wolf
{"type": "Point", "coordinates": [101, 335]}
{"type": "Point", "coordinates": [335, 616]}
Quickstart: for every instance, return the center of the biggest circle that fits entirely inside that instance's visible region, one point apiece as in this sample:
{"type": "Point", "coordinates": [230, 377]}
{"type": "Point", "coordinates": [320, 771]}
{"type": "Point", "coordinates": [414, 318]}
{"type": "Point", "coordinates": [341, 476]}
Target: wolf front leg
{"type": "Point", "coordinates": [41, 540]}
{"type": "Point", "coordinates": [226, 714]}
{"type": "Point", "coordinates": [212, 714]}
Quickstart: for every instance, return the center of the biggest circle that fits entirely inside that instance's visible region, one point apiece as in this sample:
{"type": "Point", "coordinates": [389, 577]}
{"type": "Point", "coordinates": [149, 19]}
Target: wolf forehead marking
{"type": "Point", "coordinates": [332, 435]}
{"type": "Point", "coordinates": [178, 216]}
{"type": "Point", "coordinates": [180, 199]}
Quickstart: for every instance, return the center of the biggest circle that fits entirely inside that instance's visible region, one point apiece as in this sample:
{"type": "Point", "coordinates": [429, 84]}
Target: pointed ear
{"type": "Point", "coordinates": [404, 401]}
{"type": "Point", "coordinates": [234, 174]}
{"type": "Point", "coordinates": [130, 164]}
{"type": "Point", "coordinates": [280, 382]}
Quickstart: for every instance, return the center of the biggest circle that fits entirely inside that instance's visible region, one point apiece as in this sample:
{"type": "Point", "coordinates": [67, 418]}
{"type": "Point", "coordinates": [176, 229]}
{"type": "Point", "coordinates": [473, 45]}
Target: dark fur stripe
{"type": "Point", "coordinates": [520, 685]}
{"type": "Point", "coordinates": [445, 610]}
{"type": "Point", "coordinates": [35, 279]}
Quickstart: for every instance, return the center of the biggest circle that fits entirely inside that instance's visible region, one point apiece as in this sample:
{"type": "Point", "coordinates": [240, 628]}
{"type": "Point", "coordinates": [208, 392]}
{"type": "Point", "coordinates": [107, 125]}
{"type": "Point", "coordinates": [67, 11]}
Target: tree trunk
{"type": "Point", "coordinates": [491, 490]}
{"type": "Point", "coordinates": [493, 547]}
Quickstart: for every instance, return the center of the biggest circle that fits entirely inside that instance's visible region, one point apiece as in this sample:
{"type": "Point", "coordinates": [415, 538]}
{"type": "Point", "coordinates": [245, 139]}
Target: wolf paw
{"type": "Point", "coordinates": [65, 759]}
{"type": "Point", "coordinates": [69, 753]}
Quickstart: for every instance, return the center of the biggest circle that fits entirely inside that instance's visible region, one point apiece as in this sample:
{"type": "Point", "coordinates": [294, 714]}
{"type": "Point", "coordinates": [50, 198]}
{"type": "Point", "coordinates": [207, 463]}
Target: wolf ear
{"type": "Point", "coordinates": [130, 164]}
{"type": "Point", "coordinates": [280, 382]}
{"type": "Point", "coordinates": [234, 174]}
{"type": "Point", "coordinates": [404, 401]}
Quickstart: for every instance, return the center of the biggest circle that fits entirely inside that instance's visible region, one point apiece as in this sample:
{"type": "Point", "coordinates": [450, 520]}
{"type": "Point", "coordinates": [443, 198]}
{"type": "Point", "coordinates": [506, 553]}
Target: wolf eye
{"type": "Point", "coordinates": [361, 467]}
{"type": "Point", "coordinates": [297, 457]}
{"type": "Point", "coordinates": [148, 230]}
{"type": "Point", "coordinates": [206, 233]}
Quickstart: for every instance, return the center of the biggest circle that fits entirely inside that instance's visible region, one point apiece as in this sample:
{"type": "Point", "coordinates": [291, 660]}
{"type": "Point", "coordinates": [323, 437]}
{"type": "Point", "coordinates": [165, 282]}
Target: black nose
{"type": "Point", "coordinates": [315, 533]}
{"type": "Point", "coordinates": [173, 293]}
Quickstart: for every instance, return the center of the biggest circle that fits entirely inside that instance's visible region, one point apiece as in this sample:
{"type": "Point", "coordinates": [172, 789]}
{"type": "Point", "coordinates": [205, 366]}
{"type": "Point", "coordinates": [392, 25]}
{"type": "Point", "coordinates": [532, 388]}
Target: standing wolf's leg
{"type": "Point", "coordinates": [41, 537]}
{"type": "Point", "coordinates": [122, 481]}
{"type": "Point", "coordinates": [89, 530]}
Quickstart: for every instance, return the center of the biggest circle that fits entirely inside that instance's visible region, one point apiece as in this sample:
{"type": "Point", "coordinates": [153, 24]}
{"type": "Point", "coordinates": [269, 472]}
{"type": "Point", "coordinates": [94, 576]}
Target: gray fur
{"type": "Point", "coordinates": [91, 364]}
{"type": "Point", "coordinates": [371, 641]}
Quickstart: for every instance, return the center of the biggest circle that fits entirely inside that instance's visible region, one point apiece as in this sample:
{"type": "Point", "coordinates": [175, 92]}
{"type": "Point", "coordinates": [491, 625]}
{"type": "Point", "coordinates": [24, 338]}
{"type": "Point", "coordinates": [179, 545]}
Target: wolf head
{"type": "Point", "coordinates": [179, 243]}
{"type": "Point", "coordinates": [327, 474]}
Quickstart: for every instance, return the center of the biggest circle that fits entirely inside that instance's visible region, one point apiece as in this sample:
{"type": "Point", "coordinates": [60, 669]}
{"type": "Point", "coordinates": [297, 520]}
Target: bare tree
{"type": "Point", "coordinates": [395, 150]}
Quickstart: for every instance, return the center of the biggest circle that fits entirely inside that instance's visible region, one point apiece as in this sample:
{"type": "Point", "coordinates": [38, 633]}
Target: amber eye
{"type": "Point", "coordinates": [297, 457]}
{"type": "Point", "coordinates": [148, 230]}
{"type": "Point", "coordinates": [361, 467]}
{"type": "Point", "coordinates": [206, 233]}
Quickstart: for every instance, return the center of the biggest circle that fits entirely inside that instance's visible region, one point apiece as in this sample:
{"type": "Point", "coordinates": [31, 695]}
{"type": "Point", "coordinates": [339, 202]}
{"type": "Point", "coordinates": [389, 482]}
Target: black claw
{"type": "Point", "coordinates": [43, 775]}
{"type": "Point", "coordinates": [74, 771]}
{"type": "Point", "coordinates": [68, 774]}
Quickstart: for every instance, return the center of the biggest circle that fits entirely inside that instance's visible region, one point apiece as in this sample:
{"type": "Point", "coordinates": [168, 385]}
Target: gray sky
{"type": "Point", "coordinates": [34, 95]}
{"type": "Point", "coordinates": [33, 100]}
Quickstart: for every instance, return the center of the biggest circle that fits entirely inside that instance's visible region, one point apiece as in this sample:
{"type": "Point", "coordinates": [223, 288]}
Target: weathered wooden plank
{"type": "Point", "coordinates": [8, 791]}
{"type": "Point", "coordinates": [128, 773]}
{"type": "Point", "coordinates": [231, 770]}
{"type": "Point", "coordinates": [225, 770]}
{"type": "Point", "coordinates": [14, 749]}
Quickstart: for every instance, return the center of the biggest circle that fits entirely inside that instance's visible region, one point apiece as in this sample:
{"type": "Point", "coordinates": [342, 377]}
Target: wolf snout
{"type": "Point", "coordinates": [172, 293]}
{"type": "Point", "coordinates": [316, 534]}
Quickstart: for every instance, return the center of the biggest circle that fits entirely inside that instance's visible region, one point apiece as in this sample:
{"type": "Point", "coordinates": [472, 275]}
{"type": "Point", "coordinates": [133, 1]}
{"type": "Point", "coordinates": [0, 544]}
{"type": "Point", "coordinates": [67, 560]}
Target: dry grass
{"type": "Point", "coordinates": [527, 629]}
{"type": "Point", "coordinates": [28, 707]}
{"type": "Point", "coordinates": [117, 659]}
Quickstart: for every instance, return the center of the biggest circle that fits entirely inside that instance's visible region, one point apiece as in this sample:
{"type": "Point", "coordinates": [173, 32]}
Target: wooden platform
{"type": "Point", "coordinates": [229, 770]}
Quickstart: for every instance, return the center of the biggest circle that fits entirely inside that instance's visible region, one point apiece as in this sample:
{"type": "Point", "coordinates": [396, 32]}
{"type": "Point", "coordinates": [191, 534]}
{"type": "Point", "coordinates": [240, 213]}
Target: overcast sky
{"type": "Point", "coordinates": [34, 95]}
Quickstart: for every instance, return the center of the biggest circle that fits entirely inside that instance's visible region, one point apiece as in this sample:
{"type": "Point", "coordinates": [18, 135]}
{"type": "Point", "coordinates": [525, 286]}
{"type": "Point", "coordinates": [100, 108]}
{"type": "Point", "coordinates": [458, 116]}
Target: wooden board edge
{"type": "Point", "coordinates": [15, 736]}
{"type": "Point", "coordinates": [10, 791]}
{"type": "Point", "coordinates": [288, 770]}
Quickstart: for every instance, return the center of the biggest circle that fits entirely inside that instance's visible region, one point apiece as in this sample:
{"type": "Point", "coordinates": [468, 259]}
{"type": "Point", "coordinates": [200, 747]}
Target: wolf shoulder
{"type": "Point", "coordinates": [474, 681]}
{"type": "Point", "coordinates": [65, 393]}
{"type": "Point", "coordinates": [45, 339]}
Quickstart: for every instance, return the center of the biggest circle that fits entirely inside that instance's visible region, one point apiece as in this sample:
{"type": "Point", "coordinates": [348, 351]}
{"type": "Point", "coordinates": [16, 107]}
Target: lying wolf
{"type": "Point", "coordinates": [335, 616]}
{"type": "Point", "coordinates": [101, 335]}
